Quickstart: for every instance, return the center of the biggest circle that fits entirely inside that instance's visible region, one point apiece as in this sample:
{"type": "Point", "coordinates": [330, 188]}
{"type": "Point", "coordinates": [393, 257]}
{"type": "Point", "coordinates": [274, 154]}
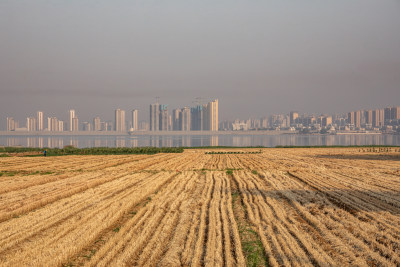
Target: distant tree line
{"type": "Point", "coordinates": [70, 150]}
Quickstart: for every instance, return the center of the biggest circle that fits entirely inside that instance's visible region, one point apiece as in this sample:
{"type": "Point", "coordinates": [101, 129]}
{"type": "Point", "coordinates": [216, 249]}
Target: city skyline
{"type": "Point", "coordinates": [205, 117]}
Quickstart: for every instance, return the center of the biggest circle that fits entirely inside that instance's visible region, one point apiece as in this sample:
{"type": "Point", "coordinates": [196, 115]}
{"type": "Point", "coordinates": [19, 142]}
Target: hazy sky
{"type": "Point", "coordinates": [257, 57]}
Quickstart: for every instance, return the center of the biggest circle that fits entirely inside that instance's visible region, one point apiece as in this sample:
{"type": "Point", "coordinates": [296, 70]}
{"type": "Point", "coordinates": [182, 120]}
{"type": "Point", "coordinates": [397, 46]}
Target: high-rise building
{"type": "Point", "coordinates": [357, 119]}
{"type": "Point", "coordinates": [378, 116]}
{"type": "Point", "coordinates": [196, 116]}
{"type": "Point", "coordinates": [326, 121]}
{"type": "Point", "coordinates": [164, 118]}
{"type": "Point", "coordinates": [169, 122]}
{"type": "Point", "coordinates": [71, 120]}
{"type": "Point", "coordinates": [97, 124]}
{"type": "Point", "coordinates": [350, 118]}
{"type": "Point", "coordinates": [31, 124]}
{"type": "Point", "coordinates": [212, 116]}
{"type": "Point", "coordinates": [134, 120]}
{"type": "Point", "coordinates": [155, 117]}
{"type": "Point", "coordinates": [293, 117]}
{"type": "Point", "coordinates": [39, 121]}
{"type": "Point", "coordinates": [120, 120]}
{"type": "Point", "coordinates": [381, 117]}
{"type": "Point", "coordinates": [176, 120]}
{"type": "Point", "coordinates": [75, 124]}
{"type": "Point", "coordinates": [388, 114]}
{"type": "Point", "coordinates": [185, 119]}
{"type": "Point", "coordinates": [60, 126]}
{"type": "Point", "coordinates": [368, 117]}
{"type": "Point", "coordinates": [10, 124]}
{"type": "Point", "coordinates": [53, 124]}
{"type": "Point", "coordinates": [395, 113]}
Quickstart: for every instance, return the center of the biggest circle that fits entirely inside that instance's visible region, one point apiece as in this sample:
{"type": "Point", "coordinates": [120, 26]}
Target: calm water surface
{"type": "Point", "coordinates": [200, 140]}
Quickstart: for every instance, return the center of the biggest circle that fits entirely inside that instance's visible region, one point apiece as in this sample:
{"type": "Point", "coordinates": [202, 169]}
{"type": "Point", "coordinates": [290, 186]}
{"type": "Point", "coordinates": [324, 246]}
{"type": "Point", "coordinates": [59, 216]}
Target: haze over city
{"type": "Point", "coordinates": [257, 58]}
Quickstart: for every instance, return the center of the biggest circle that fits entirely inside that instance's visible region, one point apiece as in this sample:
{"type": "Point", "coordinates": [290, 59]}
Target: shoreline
{"type": "Point", "coordinates": [178, 133]}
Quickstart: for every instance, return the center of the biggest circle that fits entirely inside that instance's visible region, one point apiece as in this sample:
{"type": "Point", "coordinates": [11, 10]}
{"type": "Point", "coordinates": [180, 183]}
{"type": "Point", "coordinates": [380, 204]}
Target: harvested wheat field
{"type": "Point", "coordinates": [268, 207]}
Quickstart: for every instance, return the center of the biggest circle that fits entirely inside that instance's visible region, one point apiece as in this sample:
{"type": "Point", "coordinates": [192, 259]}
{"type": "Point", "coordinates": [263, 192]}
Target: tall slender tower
{"type": "Point", "coordinates": [120, 120]}
{"type": "Point", "coordinates": [164, 118]}
{"type": "Point", "coordinates": [155, 117]}
{"type": "Point", "coordinates": [39, 121]}
{"type": "Point", "coordinates": [185, 119]}
{"type": "Point", "coordinates": [97, 124]}
{"type": "Point", "coordinates": [135, 119]}
{"type": "Point", "coordinates": [176, 122]}
{"type": "Point", "coordinates": [71, 120]}
{"type": "Point", "coordinates": [213, 109]}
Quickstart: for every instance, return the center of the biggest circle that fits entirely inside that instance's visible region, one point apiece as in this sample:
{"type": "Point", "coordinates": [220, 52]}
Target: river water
{"type": "Point", "coordinates": [202, 140]}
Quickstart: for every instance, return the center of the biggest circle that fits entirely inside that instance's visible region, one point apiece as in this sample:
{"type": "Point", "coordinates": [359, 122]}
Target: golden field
{"type": "Point", "coordinates": [280, 207]}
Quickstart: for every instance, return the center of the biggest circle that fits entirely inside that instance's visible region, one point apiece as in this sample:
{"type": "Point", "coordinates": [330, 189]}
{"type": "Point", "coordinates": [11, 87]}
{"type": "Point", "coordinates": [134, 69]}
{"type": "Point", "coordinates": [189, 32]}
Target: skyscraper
{"type": "Point", "coordinates": [135, 120]}
{"type": "Point", "coordinates": [326, 121]}
{"type": "Point", "coordinates": [164, 118]}
{"type": "Point", "coordinates": [368, 117]}
{"type": "Point", "coordinates": [39, 121]}
{"type": "Point", "coordinates": [53, 124]}
{"type": "Point", "coordinates": [210, 116]}
{"type": "Point", "coordinates": [357, 119]}
{"type": "Point", "coordinates": [378, 116]}
{"type": "Point", "coordinates": [388, 114]}
{"type": "Point", "coordinates": [71, 122]}
{"type": "Point", "coordinates": [97, 124]}
{"type": "Point", "coordinates": [60, 126]}
{"type": "Point", "coordinates": [395, 113]}
{"type": "Point", "coordinates": [176, 120]}
{"type": "Point", "coordinates": [293, 117]}
{"type": "Point", "coordinates": [196, 116]}
{"type": "Point", "coordinates": [10, 124]}
{"type": "Point", "coordinates": [213, 115]}
{"type": "Point", "coordinates": [155, 117]}
{"type": "Point", "coordinates": [31, 124]}
{"type": "Point", "coordinates": [120, 120]}
{"type": "Point", "coordinates": [75, 123]}
{"type": "Point", "coordinates": [350, 118]}
{"type": "Point", "coordinates": [185, 119]}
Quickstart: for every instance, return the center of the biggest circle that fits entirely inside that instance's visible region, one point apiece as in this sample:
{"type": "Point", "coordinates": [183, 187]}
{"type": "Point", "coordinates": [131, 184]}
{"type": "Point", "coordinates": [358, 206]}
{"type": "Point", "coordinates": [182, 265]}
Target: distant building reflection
{"type": "Point", "coordinates": [119, 142]}
{"type": "Point", "coordinates": [12, 141]}
{"type": "Point", "coordinates": [202, 140]}
{"type": "Point", "coordinates": [133, 143]}
{"type": "Point", "coordinates": [214, 140]}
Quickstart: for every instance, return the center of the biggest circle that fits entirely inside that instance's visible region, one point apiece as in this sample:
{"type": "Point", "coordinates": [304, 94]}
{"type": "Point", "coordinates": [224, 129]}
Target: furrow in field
{"type": "Point", "coordinates": [59, 211]}
{"type": "Point", "coordinates": [85, 226]}
{"type": "Point", "coordinates": [131, 242]}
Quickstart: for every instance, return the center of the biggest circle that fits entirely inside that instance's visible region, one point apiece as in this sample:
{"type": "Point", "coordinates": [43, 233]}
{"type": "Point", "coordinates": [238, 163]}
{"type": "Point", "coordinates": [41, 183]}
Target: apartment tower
{"type": "Point", "coordinates": [31, 124]}
{"type": "Point", "coordinates": [135, 120]}
{"type": "Point", "coordinates": [39, 121]}
{"type": "Point", "coordinates": [73, 121]}
{"type": "Point", "coordinates": [155, 117]}
{"type": "Point", "coordinates": [120, 120]}
{"type": "Point", "coordinates": [212, 109]}
{"type": "Point", "coordinates": [97, 124]}
{"type": "Point", "coordinates": [185, 119]}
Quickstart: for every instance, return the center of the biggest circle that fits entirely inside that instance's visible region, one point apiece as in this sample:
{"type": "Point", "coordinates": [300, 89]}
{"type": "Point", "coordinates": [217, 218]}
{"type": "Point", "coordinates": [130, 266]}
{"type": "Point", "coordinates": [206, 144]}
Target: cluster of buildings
{"type": "Point", "coordinates": [199, 118]}
{"type": "Point", "coordinates": [36, 124]}
{"type": "Point", "coordinates": [387, 119]}
{"type": "Point", "coordinates": [203, 117]}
